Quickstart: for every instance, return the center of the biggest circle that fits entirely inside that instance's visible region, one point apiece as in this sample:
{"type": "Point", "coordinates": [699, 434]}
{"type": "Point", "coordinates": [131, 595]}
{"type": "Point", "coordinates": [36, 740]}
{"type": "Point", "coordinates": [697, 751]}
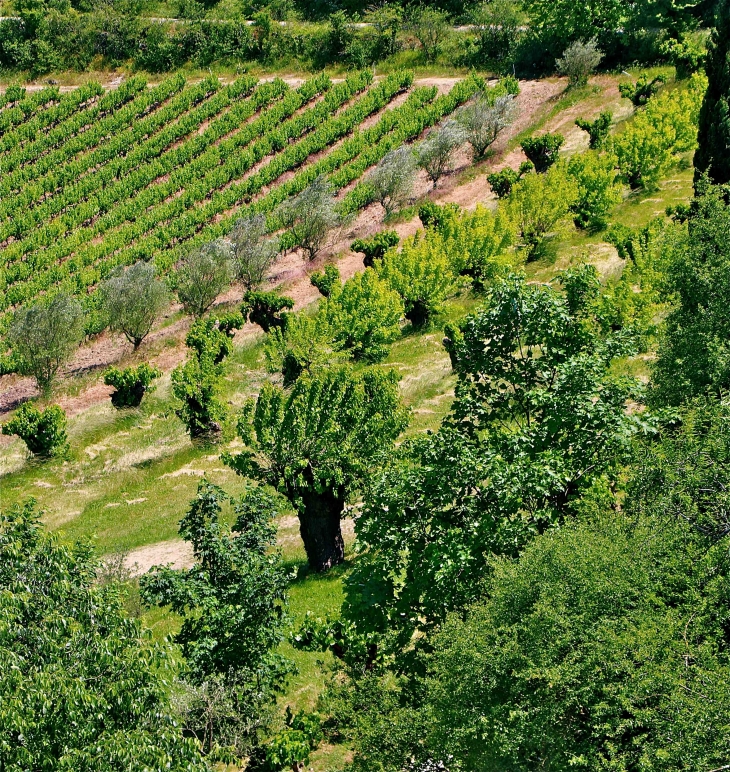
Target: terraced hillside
{"type": "Point", "coordinates": [95, 179]}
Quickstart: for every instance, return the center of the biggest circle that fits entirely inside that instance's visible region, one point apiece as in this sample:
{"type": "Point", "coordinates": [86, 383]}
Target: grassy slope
{"type": "Point", "coordinates": [130, 475]}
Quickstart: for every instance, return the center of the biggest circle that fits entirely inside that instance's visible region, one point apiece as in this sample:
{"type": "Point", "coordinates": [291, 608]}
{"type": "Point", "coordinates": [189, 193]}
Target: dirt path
{"type": "Point", "coordinates": [465, 185]}
{"type": "Point", "coordinates": [179, 554]}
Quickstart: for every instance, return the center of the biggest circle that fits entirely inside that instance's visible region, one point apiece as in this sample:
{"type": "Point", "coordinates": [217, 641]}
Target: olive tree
{"type": "Point", "coordinates": [317, 443]}
{"type": "Point", "coordinates": [311, 215]}
{"type": "Point", "coordinates": [391, 181]}
{"type": "Point", "coordinates": [484, 119]}
{"type": "Point", "coordinates": [44, 335]}
{"type": "Point", "coordinates": [435, 154]}
{"type": "Point", "coordinates": [253, 252]}
{"type": "Point", "coordinates": [579, 61]}
{"type": "Point", "coordinates": [202, 275]}
{"type": "Point", "coordinates": [133, 299]}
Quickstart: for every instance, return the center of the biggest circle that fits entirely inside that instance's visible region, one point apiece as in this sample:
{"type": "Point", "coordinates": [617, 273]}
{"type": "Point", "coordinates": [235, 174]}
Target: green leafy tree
{"type": "Point", "coordinates": [598, 130]}
{"type": "Point", "coordinates": [600, 648]}
{"type": "Point", "coordinates": [213, 338]}
{"type": "Point", "coordinates": [202, 275]}
{"type": "Point", "coordinates": [563, 21]}
{"type": "Point", "coordinates": [375, 247]}
{"type": "Point", "coordinates": [598, 190]}
{"type": "Point", "coordinates": [537, 420]}
{"type": "Point", "coordinates": [540, 205]}
{"type": "Point", "coordinates": [711, 157]}
{"type": "Point", "coordinates": [304, 345]}
{"type": "Point", "coordinates": [422, 274]}
{"type": "Point", "coordinates": [430, 27]}
{"type": "Point", "coordinates": [44, 432]}
{"type": "Point", "coordinates": [232, 602]}
{"type": "Point", "coordinates": [44, 335]}
{"type": "Point", "coordinates": [133, 300]}
{"type": "Point", "coordinates": [130, 384]}
{"type": "Point", "coordinates": [82, 687]}
{"type": "Point", "coordinates": [693, 354]}
{"type": "Point", "coordinates": [365, 316]}
{"type": "Point", "coordinates": [479, 243]}
{"type": "Point", "coordinates": [317, 444]}
{"type": "Point", "coordinates": [543, 151]}
{"type": "Point", "coordinates": [499, 25]}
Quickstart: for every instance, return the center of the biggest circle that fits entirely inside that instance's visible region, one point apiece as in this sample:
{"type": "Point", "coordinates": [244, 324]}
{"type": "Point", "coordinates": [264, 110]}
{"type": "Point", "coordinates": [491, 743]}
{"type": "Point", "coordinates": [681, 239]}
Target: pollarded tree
{"type": "Point", "coordinates": [435, 154]}
{"type": "Point", "coordinates": [133, 300]}
{"type": "Point", "coordinates": [253, 251]}
{"type": "Point", "coordinates": [317, 443]}
{"type": "Point", "coordinates": [310, 216]}
{"type": "Point", "coordinates": [82, 687]}
{"type": "Point", "coordinates": [375, 247]}
{"type": "Point", "coordinates": [45, 335]}
{"type": "Point", "coordinates": [597, 130]}
{"type": "Point", "coordinates": [391, 181]}
{"type": "Point", "coordinates": [712, 156]}
{"type": "Point", "coordinates": [233, 603]}
{"type": "Point", "coordinates": [202, 275]}
{"type": "Point", "coordinates": [484, 119]}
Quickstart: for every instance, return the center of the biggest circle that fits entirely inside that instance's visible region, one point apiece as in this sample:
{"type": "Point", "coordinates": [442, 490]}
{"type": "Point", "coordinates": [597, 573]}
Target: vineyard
{"type": "Point", "coordinates": [92, 180]}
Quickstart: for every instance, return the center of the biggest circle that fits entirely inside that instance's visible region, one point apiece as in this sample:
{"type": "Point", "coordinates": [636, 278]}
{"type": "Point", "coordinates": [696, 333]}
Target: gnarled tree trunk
{"type": "Point", "coordinates": [319, 525]}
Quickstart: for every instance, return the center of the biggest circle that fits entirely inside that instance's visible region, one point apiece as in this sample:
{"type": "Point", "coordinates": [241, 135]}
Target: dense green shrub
{"type": "Point", "coordinates": [376, 246]}
{"type": "Point", "coordinates": [327, 281]}
{"type": "Point", "coordinates": [502, 181]}
{"type": "Point", "coordinates": [643, 90]}
{"type": "Point", "coordinates": [435, 215]}
{"type": "Point", "coordinates": [543, 151]}
{"type": "Point", "coordinates": [130, 384]}
{"type": "Point", "coordinates": [265, 309]}
{"type": "Point", "coordinates": [44, 432]}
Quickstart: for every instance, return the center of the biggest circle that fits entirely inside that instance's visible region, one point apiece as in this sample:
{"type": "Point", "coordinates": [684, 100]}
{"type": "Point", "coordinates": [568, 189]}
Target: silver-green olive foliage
{"type": "Point", "coordinates": [81, 687]}
{"type": "Point", "coordinates": [44, 336]}
{"type": "Point", "coordinates": [133, 300]}
{"type": "Point", "coordinates": [318, 443]}
{"type": "Point", "coordinates": [537, 418]}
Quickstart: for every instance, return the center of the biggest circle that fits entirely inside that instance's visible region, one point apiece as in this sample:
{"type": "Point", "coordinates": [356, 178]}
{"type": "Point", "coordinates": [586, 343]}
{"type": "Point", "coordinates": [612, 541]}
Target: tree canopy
{"type": "Point", "coordinates": [81, 686]}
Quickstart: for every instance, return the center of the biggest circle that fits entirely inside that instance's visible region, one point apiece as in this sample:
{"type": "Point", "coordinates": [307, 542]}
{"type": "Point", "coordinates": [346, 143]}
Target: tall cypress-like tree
{"type": "Point", "coordinates": [713, 153]}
